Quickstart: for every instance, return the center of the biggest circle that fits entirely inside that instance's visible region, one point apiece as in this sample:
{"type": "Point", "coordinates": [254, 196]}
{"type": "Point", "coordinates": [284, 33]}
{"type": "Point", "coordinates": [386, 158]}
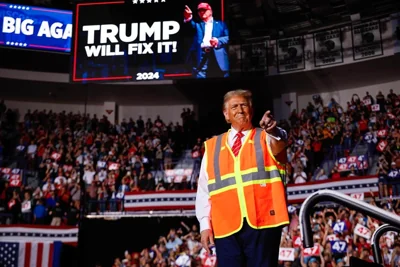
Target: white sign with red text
{"type": "Point", "coordinates": [56, 156]}
{"type": "Point", "coordinates": [359, 196]}
{"type": "Point", "coordinates": [26, 206]}
{"type": "Point", "coordinates": [375, 107]}
{"type": "Point", "coordinates": [362, 231]}
{"type": "Point", "coordinates": [367, 101]}
{"type": "Point", "coordinates": [13, 176]}
{"type": "Point", "coordinates": [382, 133]}
{"type": "Point", "coordinates": [207, 260]}
{"type": "Point", "coordinates": [286, 254]}
{"type": "Point", "coordinates": [382, 145]}
{"type": "Point", "coordinates": [113, 166]}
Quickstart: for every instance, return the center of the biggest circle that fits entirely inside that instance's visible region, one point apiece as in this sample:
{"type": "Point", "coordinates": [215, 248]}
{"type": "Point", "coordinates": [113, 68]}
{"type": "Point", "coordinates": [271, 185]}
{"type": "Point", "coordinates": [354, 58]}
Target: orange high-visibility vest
{"type": "Point", "coordinates": [247, 186]}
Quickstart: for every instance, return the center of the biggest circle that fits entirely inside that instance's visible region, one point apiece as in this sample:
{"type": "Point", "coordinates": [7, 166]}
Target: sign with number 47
{"type": "Point", "coordinates": [286, 254]}
{"type": "Point", "coordinates": [338, 246]}
{"type": "Point", "coordinates": [362, 231]}
{"type": "Point", "coordinates": [314, 251]}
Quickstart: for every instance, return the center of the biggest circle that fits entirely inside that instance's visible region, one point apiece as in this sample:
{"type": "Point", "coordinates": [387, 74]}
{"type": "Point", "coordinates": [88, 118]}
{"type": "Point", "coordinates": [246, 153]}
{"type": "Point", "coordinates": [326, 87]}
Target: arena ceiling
{"type": "Point", "coordinates": [65, 93]}
{"type": "Point", "coordinates": [357, 75]}
{"type": "Point", "coordinates": [250, 19]}
{"type": "Point", "coordinates": [260, 18]}
{"type": "Point", "coordinates": [292, 17]}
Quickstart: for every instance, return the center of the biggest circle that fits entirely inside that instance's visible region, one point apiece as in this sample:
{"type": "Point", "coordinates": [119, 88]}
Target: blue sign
{"type": "Point", "coordinates": [36, 28]}
{"type": "Point", "coordinates": [338, 246]}
{"type": "Point", "coordinates": [339, 227]}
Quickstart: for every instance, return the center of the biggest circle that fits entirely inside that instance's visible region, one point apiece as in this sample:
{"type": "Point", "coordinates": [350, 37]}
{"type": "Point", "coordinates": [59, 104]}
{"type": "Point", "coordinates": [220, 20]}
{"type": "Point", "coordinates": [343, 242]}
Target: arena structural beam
{"type": "Point", "coordinates": [347, 201]}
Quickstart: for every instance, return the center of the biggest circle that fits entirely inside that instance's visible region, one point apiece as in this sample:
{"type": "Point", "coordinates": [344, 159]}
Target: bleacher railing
{"type": "Point", "coordinates": [184, 200]}
{"type": "Point", "coordinates": [342, 199]}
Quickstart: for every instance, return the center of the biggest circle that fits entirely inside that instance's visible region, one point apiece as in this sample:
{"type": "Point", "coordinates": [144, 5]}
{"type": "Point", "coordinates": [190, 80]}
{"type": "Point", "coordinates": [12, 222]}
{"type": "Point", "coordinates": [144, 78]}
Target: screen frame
{"type": "Point", "coordinates": [129, 78]}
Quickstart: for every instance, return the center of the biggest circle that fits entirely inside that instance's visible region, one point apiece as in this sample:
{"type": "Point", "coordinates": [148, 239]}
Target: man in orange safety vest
{"type": "Point", "coordinates": [241, 197]}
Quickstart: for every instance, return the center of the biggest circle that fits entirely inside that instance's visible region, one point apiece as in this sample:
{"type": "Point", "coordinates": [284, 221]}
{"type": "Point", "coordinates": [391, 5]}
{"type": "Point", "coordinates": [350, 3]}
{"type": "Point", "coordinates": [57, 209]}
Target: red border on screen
{"type": "Point", "coordinates": [76, 45]}
{"type": "Point", "coordinates": [50, 47]}
{"type": "Point", "coordinates": [119, 77]}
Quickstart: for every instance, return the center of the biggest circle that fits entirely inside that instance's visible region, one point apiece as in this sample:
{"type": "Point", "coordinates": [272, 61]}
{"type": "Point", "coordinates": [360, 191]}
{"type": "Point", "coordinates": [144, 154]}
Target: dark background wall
{"type": "Point", "coordinates": [101, 241]}
{"type": "Point", "coordinates": [208, 96]}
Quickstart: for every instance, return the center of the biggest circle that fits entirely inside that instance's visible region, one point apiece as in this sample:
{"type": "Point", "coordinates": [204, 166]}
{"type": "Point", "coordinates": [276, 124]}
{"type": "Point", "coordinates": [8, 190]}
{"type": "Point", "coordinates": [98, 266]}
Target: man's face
{"type": "Point", "coordinates": [204, 14]}
{"type": "Point", "coordinates": [238, 112]}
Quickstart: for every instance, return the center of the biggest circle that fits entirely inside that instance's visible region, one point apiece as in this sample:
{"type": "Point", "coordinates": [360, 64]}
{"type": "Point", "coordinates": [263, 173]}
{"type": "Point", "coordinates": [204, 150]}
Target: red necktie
{"type": "Point", "coordinates": [238, 143]}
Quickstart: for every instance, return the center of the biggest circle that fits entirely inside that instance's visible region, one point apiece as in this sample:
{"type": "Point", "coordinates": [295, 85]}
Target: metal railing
{"type": "Point", "coordinates": [375, 241]}
{"type": "Point", "coordinates": [340, 198]}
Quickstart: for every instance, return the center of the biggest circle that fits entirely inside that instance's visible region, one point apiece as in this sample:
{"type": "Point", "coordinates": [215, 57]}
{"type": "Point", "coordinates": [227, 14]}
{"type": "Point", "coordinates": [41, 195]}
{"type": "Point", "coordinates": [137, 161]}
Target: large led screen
{"type": "Point", "coordinates": [37, 28]}
{"type": "Point", "coordinates": [145, 40]}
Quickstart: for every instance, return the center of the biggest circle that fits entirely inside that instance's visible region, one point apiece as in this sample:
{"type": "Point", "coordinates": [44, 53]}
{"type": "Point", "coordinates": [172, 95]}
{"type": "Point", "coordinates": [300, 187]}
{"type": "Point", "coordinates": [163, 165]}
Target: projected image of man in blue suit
{"type": "Point", "coordinates": [209, 50]}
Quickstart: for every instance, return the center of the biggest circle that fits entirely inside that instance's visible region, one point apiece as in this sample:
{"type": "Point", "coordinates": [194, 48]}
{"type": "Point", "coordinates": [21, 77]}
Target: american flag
{"type": "Point", "coordinates": [27, 254]}
{"type": "Point", "coordinates": [297, 193]}
{"type": "Point", "coordinates": [34, 245]}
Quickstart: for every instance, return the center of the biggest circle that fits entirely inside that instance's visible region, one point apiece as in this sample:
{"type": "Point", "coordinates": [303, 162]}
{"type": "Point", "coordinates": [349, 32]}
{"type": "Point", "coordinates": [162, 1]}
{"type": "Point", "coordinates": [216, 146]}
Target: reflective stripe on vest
{"type": "Point", "coordinates": [261, 174]}
{"type": "Point", "coordinates": [246, 186]}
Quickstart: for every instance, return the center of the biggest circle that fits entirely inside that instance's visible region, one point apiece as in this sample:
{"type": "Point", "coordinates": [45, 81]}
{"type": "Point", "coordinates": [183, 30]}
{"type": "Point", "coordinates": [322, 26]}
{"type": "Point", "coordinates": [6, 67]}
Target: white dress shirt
{"type": "Point", "coordinates": [203, 202]}
{"type": "Point", "coordinates": [208, 28]}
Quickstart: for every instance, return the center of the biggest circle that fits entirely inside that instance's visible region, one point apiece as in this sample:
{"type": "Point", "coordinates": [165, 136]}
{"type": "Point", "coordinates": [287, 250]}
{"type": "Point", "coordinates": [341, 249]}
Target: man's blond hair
{"type": "Point", "coordinates": [246, 94]}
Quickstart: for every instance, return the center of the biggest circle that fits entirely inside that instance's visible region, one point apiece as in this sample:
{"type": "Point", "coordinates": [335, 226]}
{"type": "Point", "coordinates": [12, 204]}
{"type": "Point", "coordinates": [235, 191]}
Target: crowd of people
{"type": "Point", "coordinates": [179, 247]}
{"type": "Point", "coordinates": [330, 132]}
{"type": "Point", "coordinates": [70, 155]}
{"type": "Point", "coordinates": [68, 151]}
{"type": "Point", "coordinates": [338, 234]}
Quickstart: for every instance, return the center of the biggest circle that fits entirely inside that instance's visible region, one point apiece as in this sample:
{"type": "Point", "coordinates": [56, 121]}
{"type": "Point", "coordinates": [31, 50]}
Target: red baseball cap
{"type": "Point", "coordinates": [204, 6]}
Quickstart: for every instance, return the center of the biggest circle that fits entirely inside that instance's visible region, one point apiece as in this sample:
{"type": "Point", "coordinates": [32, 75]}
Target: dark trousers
{"type": "Point", "coordinates": [209, 67]}
{"type": "Point", "coordinates": [249, 248]}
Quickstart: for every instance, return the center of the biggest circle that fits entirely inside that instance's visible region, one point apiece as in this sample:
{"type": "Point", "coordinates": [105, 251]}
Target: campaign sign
{"type": "Point", "coordinates": [286, 254]}
{"type": "Point", "coordinates": [314, 251]}
{"type": "Point", "coordinates": [394, 174]}
{"type": "Point", "coordinates": [113, 166]}
{"type": "Point", "coordinates": [328, 48]}
{"type": "Point", "coordinates": [358, 162]}
{"type": "Point", "coordinates": [147, 40]}
{"type": "Point", "coordinates": [13, 176]}
{"type": "Point", "coordinates": [35, 28]}
{"type": "Point", "coordinates": [375, 107]}
{"type": "Point", "coordinates": [338, 246]}
{"type": "Point", "coordinates": [359, 196]}
{"type": "Point", "coordinates": [381, 146]}
{"type": "Point", "coordinates": [367, 40]}
{"type": "Point", "coordinates": [297, 242]}
{"type": "Point", "coordinates": [176, 175]}
{"type": "Point", "coordinates": [382, 133]}
{"type": "Point", "coordinates": [290, 53]}
{"type": "Point", "coordinates": [362, 231]}
{"type": "Point", "coordinates": [339, 227]}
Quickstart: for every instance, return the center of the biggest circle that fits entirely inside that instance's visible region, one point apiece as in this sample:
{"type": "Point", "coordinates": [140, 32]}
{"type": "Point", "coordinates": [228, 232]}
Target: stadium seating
{"type": "Point", "coordinates": [58, 155]}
